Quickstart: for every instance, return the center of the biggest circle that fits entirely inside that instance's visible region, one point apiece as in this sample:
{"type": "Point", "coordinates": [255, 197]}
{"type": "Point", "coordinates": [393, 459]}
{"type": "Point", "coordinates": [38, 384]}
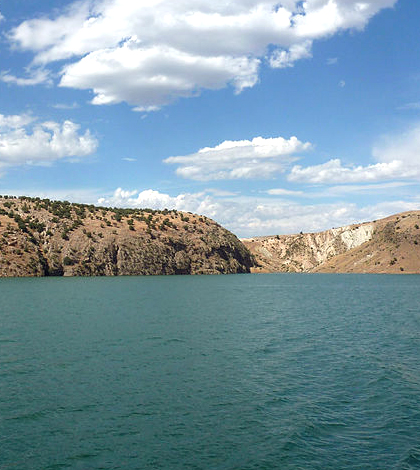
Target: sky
{"type": "Point", "coordinates": [270, 117]}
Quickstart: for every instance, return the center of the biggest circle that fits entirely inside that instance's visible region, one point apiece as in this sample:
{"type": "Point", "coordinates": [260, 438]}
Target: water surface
{"type": "Point", "coordinates": [241, 372]}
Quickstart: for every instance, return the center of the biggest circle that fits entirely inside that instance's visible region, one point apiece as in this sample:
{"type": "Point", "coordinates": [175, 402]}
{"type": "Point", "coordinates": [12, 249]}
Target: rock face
{"type": "Point", "coordinates": [390, 245]}
{"type": "Point", "coordinates": [43, 237]}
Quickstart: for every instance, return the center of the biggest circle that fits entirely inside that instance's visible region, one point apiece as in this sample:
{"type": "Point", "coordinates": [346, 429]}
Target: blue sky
{"type": "Point", "coordinates": [270, 117]}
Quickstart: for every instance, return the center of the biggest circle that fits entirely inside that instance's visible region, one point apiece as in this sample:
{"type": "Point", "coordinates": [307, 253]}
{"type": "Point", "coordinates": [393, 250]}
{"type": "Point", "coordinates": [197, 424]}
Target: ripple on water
{"type": "Point", "coordinates": [244, 372]}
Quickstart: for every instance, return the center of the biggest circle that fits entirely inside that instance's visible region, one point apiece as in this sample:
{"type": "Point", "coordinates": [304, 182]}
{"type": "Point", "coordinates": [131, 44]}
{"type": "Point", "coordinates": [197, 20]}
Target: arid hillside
{"type": "Point", "coordinates": [390, 245]}
{"type": "Point", "coordinates": [39, 237]}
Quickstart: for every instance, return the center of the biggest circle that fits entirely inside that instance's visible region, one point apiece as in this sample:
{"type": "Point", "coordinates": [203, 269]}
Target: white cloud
{"type": "Point", "coordinates": [244, 216]}
{"type": "Point", "coordinates": [24, 141]}
{"type": "Point", "coordinates": [151, 77]}
{"type": "Point", "coordinates": [284, 192]}
{"type": "Point", "coordinates": [398, 157]}
{"type": "Point", "coordinates": [220, 192]}
{"type": "Point", "coordinates": [281, 59]}
{"type": "Point", "coordinates": [394, 187]}
{"type": "Point", "coordinates": [15, 121]}
{"type": "Point", "coordinates": [404, 147]}
{"type": "Point", "coordinates": [242, 159]}
{"type": "Point", "coordinates": [248, 216]}
{"type": "Point", "coordinates": [377, 188]}
{"type": "Point", "coordinates": [36, 77]}
{"type": "Point", "coordinates": [341, 83]}
{"type": "Point", "coordinates": [152, 199]}
{"type": "Point", "coordinates": [334, 172]}
{"type": "Point", "coordinates": [78, 195]}
{"type": "Point", "coordinates": [148, 53]}
{"type": "Point", "coordinates": [129, 159]}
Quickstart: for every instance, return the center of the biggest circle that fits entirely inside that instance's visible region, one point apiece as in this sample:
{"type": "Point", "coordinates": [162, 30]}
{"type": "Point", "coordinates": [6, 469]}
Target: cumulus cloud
{"type": "Point", "coordinates": [148, 53]}
{"type": "Point", "coordinates": [241, 159]}
{"type": "Point", "coordinates": [151, 77]}
{"type": "Point", "coordinates": [15, 121]}
{"type": "Point", "coordinates": [152, 199]}
{"type": "Point", "coordinates": [398, 157]}
{"type": "Point", "coordinates": [25, 141]}
{"type": "Point", "coordinates": [249, 216]}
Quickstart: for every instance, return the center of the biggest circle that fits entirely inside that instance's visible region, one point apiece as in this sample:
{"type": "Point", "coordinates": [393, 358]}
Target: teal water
{"type": "Point", "coordinates": [237, 372]}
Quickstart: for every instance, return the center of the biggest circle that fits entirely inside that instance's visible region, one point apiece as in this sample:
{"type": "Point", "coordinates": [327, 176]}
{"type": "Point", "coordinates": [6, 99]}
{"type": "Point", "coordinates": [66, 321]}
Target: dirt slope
{"type": "Point", "coordinates": [390, 245]}
{"type": "Point", "coordinates": [43, 237]}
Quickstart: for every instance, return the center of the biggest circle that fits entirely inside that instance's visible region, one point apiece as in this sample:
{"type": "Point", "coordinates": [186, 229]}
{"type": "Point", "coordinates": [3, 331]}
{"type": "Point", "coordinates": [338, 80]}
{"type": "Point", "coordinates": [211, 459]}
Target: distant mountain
{"type": "Point", "coordinates": [39, 237]}
{"type": "Point", "coordinates": [390, 245]}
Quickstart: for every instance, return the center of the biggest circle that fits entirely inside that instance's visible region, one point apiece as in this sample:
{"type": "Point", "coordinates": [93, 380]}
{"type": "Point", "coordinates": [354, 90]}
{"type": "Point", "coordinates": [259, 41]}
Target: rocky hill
{"type": "Point", "coordinates": [390, 245]}
{"type": "Point", "coordinates": [39, 237]}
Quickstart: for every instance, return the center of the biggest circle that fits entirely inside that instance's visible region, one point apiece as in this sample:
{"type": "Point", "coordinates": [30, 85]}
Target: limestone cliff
{"type": "Point", "coordinates": [390, 245]}
{"type": "Point", "coordinates": [39, 237]}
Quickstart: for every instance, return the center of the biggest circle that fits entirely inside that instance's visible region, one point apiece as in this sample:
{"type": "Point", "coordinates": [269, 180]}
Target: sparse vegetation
{"type": "Point", "coordinates": [67, 261]}
{"type": "Point", "coordinates": [385, 250]}
{"type": "Point", "coordinates": [39, 229]}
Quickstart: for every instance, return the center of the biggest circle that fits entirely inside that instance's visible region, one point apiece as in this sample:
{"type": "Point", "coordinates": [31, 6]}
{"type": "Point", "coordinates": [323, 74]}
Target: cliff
{"type": "Point", "coordinates": [390, 245]}
{"type": "Point", "coordinates": [39, 237]}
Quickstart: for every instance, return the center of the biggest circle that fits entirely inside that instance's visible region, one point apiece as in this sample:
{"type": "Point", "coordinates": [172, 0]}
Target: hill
{"type": "Point", "coordinates": [390, 245]}
{"type": "Point", "coordinates": [40, 237]}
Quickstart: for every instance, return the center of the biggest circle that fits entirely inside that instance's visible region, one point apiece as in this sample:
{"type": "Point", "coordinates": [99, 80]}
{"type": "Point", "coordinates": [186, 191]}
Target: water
{"type": "Point", "coordinates": [239, 372]}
